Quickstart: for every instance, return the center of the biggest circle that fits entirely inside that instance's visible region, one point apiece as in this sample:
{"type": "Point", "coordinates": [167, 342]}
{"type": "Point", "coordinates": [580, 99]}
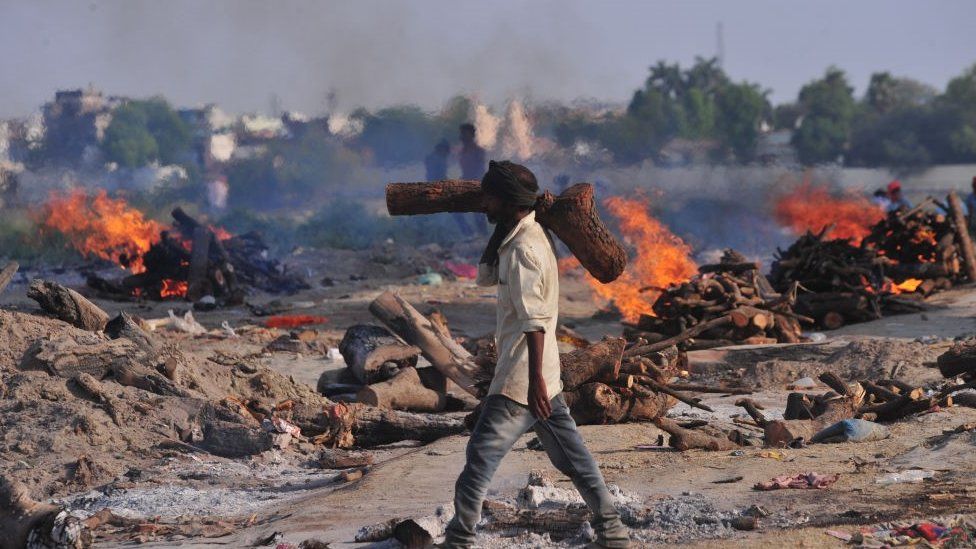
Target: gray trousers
{"type": "Point", "coordinates": [502, 422]}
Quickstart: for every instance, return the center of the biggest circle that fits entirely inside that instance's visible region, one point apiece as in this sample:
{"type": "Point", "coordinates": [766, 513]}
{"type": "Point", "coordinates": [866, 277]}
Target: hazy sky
{"type": "Point", "coordinates": [239, 53]}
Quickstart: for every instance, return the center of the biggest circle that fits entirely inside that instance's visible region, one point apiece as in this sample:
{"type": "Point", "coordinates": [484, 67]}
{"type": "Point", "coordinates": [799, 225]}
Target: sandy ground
{"type": "Point", "coordinates": [411, 480]}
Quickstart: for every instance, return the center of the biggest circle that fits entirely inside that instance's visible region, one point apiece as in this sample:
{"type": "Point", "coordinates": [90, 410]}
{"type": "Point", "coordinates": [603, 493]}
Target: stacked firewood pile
{"type": "Point", "coordinates": [192, 261]}
{"type": "Point", "coordinates": [906, 256]}
{"type": "Point", "coordinates": [607, 381]}
{"type": "Point", "coordinates": [728, 303]}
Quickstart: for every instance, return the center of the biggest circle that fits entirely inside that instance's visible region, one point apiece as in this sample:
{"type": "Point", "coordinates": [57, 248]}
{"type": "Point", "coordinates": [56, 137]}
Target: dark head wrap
{"type": "Point", "coordinates": [500, 180]}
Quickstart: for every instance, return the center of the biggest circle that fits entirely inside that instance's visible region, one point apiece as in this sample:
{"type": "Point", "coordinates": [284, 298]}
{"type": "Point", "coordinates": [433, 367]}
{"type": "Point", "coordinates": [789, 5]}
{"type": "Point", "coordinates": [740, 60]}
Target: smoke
{"type": "Point", "coordinates": [518, 142]}
{"type": "Point", "coordinates": [487, 126]}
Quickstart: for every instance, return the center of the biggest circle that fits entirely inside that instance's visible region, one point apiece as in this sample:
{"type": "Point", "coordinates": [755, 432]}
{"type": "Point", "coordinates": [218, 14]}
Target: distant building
{"type": "Point", "coordinates": [75, 123]}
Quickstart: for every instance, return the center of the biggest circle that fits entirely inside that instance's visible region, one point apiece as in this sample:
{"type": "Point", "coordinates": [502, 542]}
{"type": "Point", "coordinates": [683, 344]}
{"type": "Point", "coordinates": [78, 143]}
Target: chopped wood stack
{"type": "Point", "coordinates": [602, 382]}
{"type": "Point", "coordinates": [906, 256]}
{"type": "Point", "coordinates": [728, 303]}
{"type": "Point", "coordinates": [191, 261]}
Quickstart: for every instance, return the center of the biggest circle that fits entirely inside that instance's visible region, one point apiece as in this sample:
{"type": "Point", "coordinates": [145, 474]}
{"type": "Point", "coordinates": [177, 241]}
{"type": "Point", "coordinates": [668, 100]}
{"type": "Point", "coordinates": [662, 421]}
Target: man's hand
{"type": "Point", "coordinates": [539, 403]}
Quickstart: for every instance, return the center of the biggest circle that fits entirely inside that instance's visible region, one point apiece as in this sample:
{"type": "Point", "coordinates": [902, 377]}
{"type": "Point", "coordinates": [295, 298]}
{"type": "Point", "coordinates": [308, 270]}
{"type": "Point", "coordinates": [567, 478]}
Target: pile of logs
{"type": "Point", "coordinates": [906, 256]}
{"type": "Point", "coordinates": [191, 262]}
{"type": "Point", "coordinates": [603, 382]}
{"type": "Point", "coordinates": [727, 303]}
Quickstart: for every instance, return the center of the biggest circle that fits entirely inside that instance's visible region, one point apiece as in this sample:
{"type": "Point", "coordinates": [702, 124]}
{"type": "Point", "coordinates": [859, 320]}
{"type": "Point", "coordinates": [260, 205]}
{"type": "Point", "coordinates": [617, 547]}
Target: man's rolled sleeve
{"type": "Point", "coordinates": [525, 276]}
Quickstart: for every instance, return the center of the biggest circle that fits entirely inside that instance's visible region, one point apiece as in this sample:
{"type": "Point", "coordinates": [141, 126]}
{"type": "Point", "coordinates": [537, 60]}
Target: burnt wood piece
{"type": "Point", "coordinates": [683, 336]}
{"type": "Point", "coordinates": [366, 348]}
{"type": "Point", "coordinates": [959, 359]}
{"type": "Point", "coordinates": [572, 216]}
{"type": "Point", "coordinates": [67, 304]}
{"type": "Point", "coordinates": [199, 261]}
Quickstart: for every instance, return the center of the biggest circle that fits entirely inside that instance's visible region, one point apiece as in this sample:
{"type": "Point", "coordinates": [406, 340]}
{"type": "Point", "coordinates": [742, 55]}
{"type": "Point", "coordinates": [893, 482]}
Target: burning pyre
{"type": "Point", "coordinates": [188, 260]}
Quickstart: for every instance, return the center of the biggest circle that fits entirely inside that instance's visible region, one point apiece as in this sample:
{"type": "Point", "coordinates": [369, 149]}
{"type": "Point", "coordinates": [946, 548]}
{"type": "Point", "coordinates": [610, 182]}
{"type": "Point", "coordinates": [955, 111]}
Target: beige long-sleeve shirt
{"type": "Point", "coordinates": [528, 301]}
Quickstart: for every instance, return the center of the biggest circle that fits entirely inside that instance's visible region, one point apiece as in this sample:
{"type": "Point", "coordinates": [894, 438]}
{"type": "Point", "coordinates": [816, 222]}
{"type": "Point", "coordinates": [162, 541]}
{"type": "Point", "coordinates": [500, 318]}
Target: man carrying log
{"type": "Point", "coordinates": [525, 389]}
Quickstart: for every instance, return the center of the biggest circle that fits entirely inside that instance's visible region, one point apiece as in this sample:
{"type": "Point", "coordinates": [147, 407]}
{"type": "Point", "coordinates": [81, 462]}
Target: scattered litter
{"type": "Point", "coordinates": [430, 279]}
{"type": "Point", "coordinates": [799, 481]}
{"type": "Point", "coordinates": [280, 425]}
{"type": "Point", "coordinates": [814, 337]}
{"type": "Point", "coordinates": [205, 303]}
{"type": "Point", "coordinates": [852, 430]}
{"type": "Point", "coordinates": [186, 324]}
{"type": "Point", "coordinates": [804, 383]}
{"type": "Point", "coordinates": [462, 270]}
{"type": "Point", "coordinates": [772, 454]}
{"type": "Point", "coordinates": [912, 475]}
{"type": "Point", "coordinates": [225, 326]}
{"type": "Point", "coordinates": [953, 531]}
{"type": "Point", "coordinates": [334, 354]}
{"type": "Point", "coordinates": [293, 321]}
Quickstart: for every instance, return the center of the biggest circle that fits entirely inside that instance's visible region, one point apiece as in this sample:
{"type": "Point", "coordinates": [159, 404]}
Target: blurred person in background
{"type": "Point", "coordinates": [436, 161]}
{"type": "Point", "coordinates": [898, 200]}
{"type": "Point", "coordinates": [473, 161]}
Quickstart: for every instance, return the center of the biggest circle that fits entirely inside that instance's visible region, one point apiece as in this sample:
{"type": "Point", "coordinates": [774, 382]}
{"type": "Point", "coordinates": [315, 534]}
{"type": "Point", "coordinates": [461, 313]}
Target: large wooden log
{"type": "Point", "coordinates": [66, 356]}
{"type": "Point", "coordinates": [67, 304]}
{"type": "Point", "coordinates": [962, 233]}
{"type": "Point", "coordinates": [686, 439]}
{"type": "Point", "coordinates": [572, 217]}
{"type": "Point", "coordinates": [445, 354]}
{"type": "Point", "coordinates": [598, 362]}
{"type": "Point", "coordinates": [365, 348]}
{"type": "Point", "coordinates": [403, 391]}
{"type": "Point", "coordinates": [683, 336]}
{"type": "Point", "coordinates": [596, 404]}
{"type": "Point", "coordinates": [780, 433]}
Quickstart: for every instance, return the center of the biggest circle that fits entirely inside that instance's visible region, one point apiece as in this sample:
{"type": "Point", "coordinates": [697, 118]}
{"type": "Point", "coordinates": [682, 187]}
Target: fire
{"type": "Point", "coordinates": [810, 208]}
{"type": "Point", "coordinates": [103, 227]}
{"type": "Point", "coordinates": [661, 259]}
{"type": "Point", "coordinates": [173, 288]}
{"type": "Point", "coordinates": [907, 286]}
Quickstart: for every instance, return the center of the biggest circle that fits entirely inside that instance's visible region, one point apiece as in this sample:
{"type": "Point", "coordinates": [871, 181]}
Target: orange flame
{"type": "Point", "coordinates": [661, 259]}
{"type": "Point", "coordinates": [173, 288]}
{"type": "Point", "coordinates": [103, 227]}
{"type": "Point", "coordinates": [810, 208]}
{"type": "Point", "coordinates": [907, 286]}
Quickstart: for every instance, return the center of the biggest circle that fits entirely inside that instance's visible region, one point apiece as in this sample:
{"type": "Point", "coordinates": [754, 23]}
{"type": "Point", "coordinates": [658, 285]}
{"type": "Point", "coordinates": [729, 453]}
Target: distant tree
{"type": "Point", "coordinates": [959, 103]}
{"type": "Point", "coordinates": [886, 93]}
{"type": "Point", "coordinates": [741, 109]}
{"type": "Point", "coordinates": [398, 135]}
{"type": "Point", "coordinates": [145, 131]}
{"type": "Point", "coordinates": [827, 106]}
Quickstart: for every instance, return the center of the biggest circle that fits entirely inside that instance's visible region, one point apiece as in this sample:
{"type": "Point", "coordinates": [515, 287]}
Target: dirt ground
{"type": "Point", "coordinates": [280, 492]}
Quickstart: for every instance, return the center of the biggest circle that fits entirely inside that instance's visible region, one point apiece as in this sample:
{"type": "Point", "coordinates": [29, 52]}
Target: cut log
{"type": "Point", "coordinates": [798, 406]}
{"type": "Point", "coordinates": [445, 354]}
{"type": "Point", "coordinates": [598, 362]}
{"type": "Point", "coordinates": [199, 261]}
{"type": "Point", "coordinates": [403, 391]}
{"type": "Point", "coordinates": [7, 274]}
{"type": "Point", "coordinates": [959, 359]}
{"type": "Point", "coordinates": [67, 305]}
{"type": "Point", "coordinates": [123, 326]}
{"type": "Point", "coordinates": [366, 348]}
{"type": "Point", "coordinates": [572, 216]}
{"type": "Point", "coordinates": [694, 403]}
{"type": "Point", "coordinates": [683, 336]}
{"type": "Point", "coordinates": [962, 235]}
{"type": "Point", "coordinates": [596, 404]}
{"type": "Point", "coordinates": [832, 380]}
{"type": "Point", "coordinates": [686, 439]}
{"type": "Point", "coordinates": [649, 407]}
{"type": "Point", "coordinates": [66, 356]}
{"type": "Point", "coordinates": [718, 389]}
{"type": "Point", "coordinates": [780, 433]}
{"type": "Point", "coordinates": [753, 410]}
{"type": "Point", "coordinates": [29, 523]}
{"type": "Point", "coordinates": [744, 317]}
{"type": "Point", "coordinates": [832, 320]}
{"type": "Point", "coordinates": [337, 458]}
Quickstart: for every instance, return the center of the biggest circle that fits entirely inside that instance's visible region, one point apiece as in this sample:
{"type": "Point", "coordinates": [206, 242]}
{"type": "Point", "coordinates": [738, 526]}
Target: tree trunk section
{"type": "Point", "coordinates": [68, 305]}
{"type": "Point", "coordinates": [403, 391]}
{"type": "Point", "coordinates": [598, 362]}
{"type": "Point", "coordinates": [572, 216]}
{"type": "Point", "coordinates": [686, 439]}
{"type": "Point", "coordinates": [445, 354]}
